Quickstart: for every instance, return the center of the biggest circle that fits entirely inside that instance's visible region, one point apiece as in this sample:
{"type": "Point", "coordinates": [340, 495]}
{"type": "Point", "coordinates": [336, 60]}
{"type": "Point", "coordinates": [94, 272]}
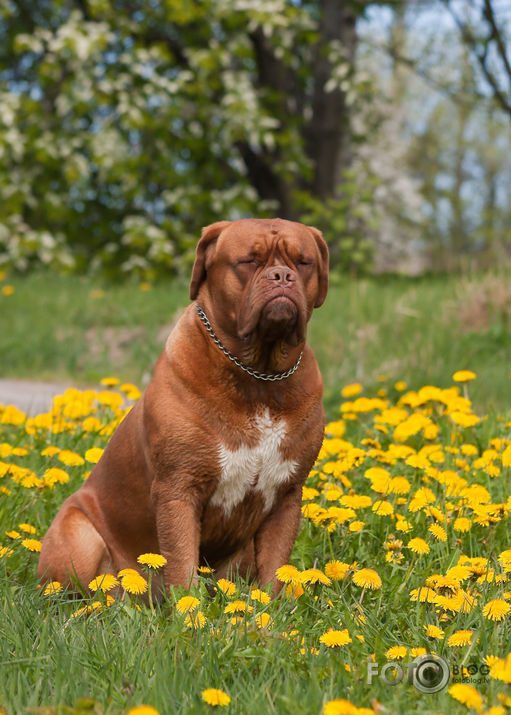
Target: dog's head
{"type": "Point", "coordinates": [264, 277]}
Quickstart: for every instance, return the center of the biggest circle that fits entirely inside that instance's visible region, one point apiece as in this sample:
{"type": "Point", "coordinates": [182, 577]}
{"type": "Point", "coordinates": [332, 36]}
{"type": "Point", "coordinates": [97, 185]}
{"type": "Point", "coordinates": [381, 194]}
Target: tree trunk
{"type": "Point", "coordinates": [328, 132]}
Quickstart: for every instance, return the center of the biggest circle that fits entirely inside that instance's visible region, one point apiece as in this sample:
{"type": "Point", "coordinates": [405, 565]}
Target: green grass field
{"type": "Point", "coordinates": [417, 330]}
{"type": "Point", "coordinates": [405, 544]}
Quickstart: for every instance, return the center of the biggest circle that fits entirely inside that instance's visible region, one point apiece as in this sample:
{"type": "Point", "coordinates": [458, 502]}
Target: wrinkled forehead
{"type": "Point", "coordinates": [265, 237]}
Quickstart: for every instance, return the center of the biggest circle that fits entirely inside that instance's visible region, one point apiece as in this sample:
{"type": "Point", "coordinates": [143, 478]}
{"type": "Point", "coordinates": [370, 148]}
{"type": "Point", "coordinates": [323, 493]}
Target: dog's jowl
{"type": "Point", "coordinates": [208, 466]}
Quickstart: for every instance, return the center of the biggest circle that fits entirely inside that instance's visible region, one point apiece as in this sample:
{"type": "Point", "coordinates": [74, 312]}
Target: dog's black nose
{"type": "Point", "coordinates": [281, 274]}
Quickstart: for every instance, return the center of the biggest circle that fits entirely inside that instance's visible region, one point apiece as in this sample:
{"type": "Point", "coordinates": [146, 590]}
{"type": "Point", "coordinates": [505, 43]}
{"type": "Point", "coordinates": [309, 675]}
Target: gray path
{"type": "Point", "coordinates": [30, 396]}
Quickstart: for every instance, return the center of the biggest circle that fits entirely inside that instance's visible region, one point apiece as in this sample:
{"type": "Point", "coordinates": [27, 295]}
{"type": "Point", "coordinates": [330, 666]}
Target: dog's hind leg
{"type": "Point", "coordinates": [73, 552]}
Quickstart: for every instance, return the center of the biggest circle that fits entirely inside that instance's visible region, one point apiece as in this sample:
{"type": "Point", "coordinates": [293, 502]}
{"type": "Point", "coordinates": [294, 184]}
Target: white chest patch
{"type": "Point", "coordinates": [260, 468]}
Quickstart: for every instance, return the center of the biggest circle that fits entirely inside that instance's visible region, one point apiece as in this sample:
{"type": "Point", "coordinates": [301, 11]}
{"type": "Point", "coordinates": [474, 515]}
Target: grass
{"type": "Point", "coordinates": [126, 654]}
{"type": "Point", "coordinates": [418, 330]}
{"type": "Point", "coordinates": [56, 660]}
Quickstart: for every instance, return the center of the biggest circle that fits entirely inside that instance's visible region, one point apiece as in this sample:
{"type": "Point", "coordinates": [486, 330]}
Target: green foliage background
{"type": "Point", "coordinates": [123, 126]}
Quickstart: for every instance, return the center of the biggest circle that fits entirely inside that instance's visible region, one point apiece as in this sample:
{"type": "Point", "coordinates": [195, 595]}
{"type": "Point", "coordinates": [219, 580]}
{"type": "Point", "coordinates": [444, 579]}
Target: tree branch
{"type": "Point", "coordinates": [451, 93]}
{"type": "Point", "coordinates": [482, 58]}
{"type": "Point", "coordinates": [496, 34]}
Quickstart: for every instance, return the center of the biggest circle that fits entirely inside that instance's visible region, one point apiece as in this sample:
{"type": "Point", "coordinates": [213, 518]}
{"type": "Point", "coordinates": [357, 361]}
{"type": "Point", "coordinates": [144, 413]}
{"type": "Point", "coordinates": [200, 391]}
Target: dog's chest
{"type": "Point", "coordinates": [259, 468]}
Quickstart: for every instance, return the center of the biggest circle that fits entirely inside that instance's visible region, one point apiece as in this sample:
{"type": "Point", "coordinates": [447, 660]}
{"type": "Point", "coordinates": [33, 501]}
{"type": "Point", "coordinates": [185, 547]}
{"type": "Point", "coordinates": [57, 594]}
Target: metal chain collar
{"type": "Point", "coordinates": [255, 373]}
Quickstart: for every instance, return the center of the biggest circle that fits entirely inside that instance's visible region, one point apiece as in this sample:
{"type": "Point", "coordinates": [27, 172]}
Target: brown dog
{"type": "Point", "coordinates": [208, 466]}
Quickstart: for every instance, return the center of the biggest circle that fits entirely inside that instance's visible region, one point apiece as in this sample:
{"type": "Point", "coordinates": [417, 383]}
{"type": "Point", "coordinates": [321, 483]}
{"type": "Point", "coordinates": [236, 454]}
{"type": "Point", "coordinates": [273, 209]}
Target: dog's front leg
{"type": "Point", "coordinates": [276, 536]}
{"type": "Point", "coordinates": [178, 529]}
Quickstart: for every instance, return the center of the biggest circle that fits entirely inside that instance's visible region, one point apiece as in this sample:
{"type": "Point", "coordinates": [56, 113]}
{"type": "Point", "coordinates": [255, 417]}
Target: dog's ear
{"type": "Point", "coordinates": [322, 266]}
{"type": "Point", "coordinates": [209, 234]}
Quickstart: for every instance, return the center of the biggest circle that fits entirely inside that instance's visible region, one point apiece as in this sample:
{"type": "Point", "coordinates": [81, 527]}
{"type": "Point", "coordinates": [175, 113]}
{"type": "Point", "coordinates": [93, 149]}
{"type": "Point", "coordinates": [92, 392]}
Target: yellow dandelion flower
{"type": "Point", "coordinates": [128, 387]}
{"type": "Point", "coordinates": [356, 501]}
{"type": "Point", "coordinates": [340, 707]}
{"type": "Point", "coordinates": [382, 508]}
{"type": "Point", "coordinates": [104, 582]}
{"type": "Point", "coordinates": [29, 479]}
{"type": "Point", "coordinates": [462, 524]}
{"type": "Point", "coordinates": [399, 485]}
{"type": "Point", "coordinates": [154, 561]}
{"type": "Point", "coordinates": [214, 697]}
{"type": "Point", "coordinates": [27, 528]}
{"type": "Point", "coordinates": [205, 569]}
{"type": "Point", "coordinates": [195, 619]}
{"type": "Point", "coordinates": [356, 526]}
{"type": "Point", "coordinates": [506, 457]}
{"type": "Point", "coordinates": [70, 458]}
{"type": "Point", "coordinates": [424, 594]}
{"type": "Point", "coordinates": [314, 576]}
{"type": "Point", "coordinates": [418, 546]}
{"type": "Point", "coordinates": [126, 572]}
{"type": "Point", "coordinates": [438, 532]}
{"type": "Point", "coordinates": [52, 588]}
{"type": "Point", "coordinates": [496, 610]}
{"type": "Point", "coordinates": [336, 570]}
{"type": "Point", "coordinates": [226, 586]}
{"type": "Point", "coordinates": [355, 388]}
{"type": "Point", "coordinates": [397, 652]}
{"type": "Point", "coordinates": [109, 381]}
{"type": "Point", "coordinates": [415, 652]}
{"type": "Point", "coordinates": [13, 534]}
{"type": "Point", "coordinates": [50, 451]}
{"type": "Point", "coordinates": [367, 578]}
{"type": "Point", "coordinates": [257, 595]}
{"type": "Point", "coordinates": [309, 493]}
{"type": "Point", "coordinates": [94, 454]}
{"type": "Point", "coordinates": [433, 631]}
{"type": "Point", "coordinates": [143, 710]}
{"type": "Point", "coordinates": [110, 399]}
{"type": "Point", "coordinates": [464, 376]}
{"type": "Point", "coordinates": [460, 638]}
{"type": "Point", "coordinates": [492, 470]}
{"type": "Point", "coordinates": [238, 607]}
{"type": "Point", "coordinates": [460, 573]}
{"type": "Point", "coordinates": [501, 669]}
{"type": "Point", "coordinates": [11, 415]}
{"type": "Point", "coordinates": [54, 475]}
{"type": "Point", "coordinates": [332, 638]}
{"type": "Point", "coordinates": [263, 620]}
{"type": "Point", "coordinates": [467, 695]}
{"type": "Point", "coordinates": [294, 590]}
{"type": "Point", "coordinates": [7, 290]}
{"type": "Point", "coordinates": [379, 478]}
{"type": "Point", "coordinates": [187, 604]}
{"type": "Point", "coordinates": [81, 611]}
{"type": "Point", "coordinates": [463, 419]}
{"type": "Point", "coordinates": [489, 660]}
{"type": "Point", "coordinates": [92, 424]}
{"type": "Point", "coordinates": [289, 574]}
{"type": "Point", "coordinates": [336, 429]}
{"type": "Point", "coordinates": [403, 525]}
{"type": "Point", "coordinates": [132, 581]}
{"type": "Point", "coordinates": [32, 544]}
{"type": "Point", "coordinates": [469, 450]}
{"type": "Point", "coordinates": [5, 551]}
